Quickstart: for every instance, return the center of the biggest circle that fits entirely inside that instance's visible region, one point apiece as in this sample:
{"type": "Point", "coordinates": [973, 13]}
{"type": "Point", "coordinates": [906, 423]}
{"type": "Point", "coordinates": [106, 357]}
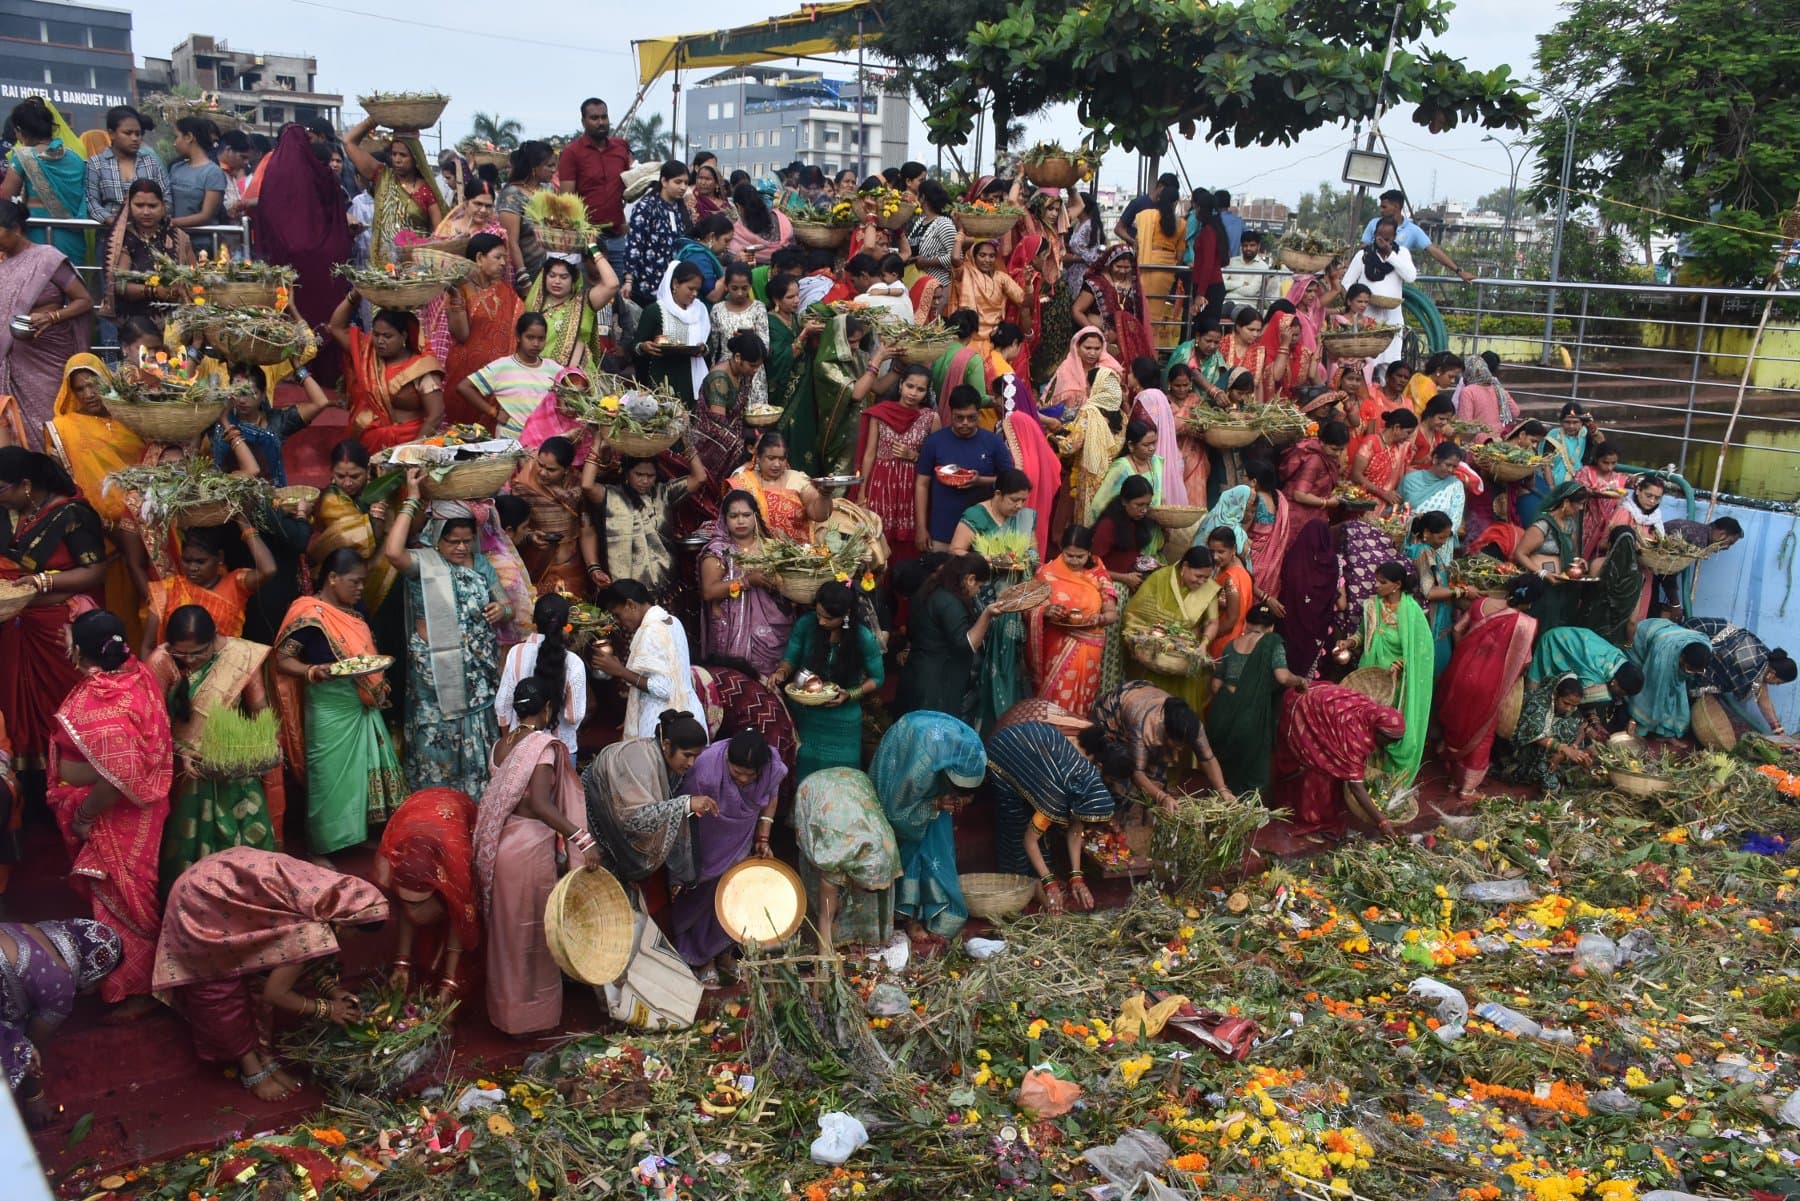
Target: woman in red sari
{"type": "Point", "coordinates": [1311, 469]}
{"type": "Point", "coordinates": [1381, 461]}
{"type": "Point", "coordinates": [1111, 301]}
{"type": "Point", "coordinates": [482, 310]}
{"type": "Point", "coordinates": [1493, 649]}
{"type": "Point", "coordinates": [426, 862]}
{"type": "Point", "coordinates": [1068, 633]}
{"type": "Point", "coordinates": [1286, 363]}
{"type": "Point", "coordinates": [396, 390]}
{"type": "Point", "coordinates": [112, 762]}
{"type": "Point", "coordinates": [887, 445]}
{"type": "Point", "coordinates": [1326, 736]}
{"type": "Point", "coordinates": [1031, 263]}
{"type": "Point", "coordinates": [51, 537]}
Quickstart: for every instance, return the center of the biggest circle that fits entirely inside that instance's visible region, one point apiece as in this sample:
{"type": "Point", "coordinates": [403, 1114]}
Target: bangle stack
{"type": "Point", "coordinates": [582, 841]}
{"type": "Point", "coordinates": [321, 1007]}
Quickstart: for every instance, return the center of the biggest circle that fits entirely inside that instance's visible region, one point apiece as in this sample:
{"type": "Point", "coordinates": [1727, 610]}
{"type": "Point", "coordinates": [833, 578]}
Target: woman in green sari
{"type": "Point", "coordinates": [1548, 735]}
{"type": "Point", "coordinates": [962, 363]}
{"type": "Point", "coordinates": [1240, 724]}
{"type": "Point", "coordinates": [453, 603]}
{"type": "Point", "coordinates": [832, 643]}
{"type": "Point", "coordinates": [840, 363]}
{"type": "Point", "coordinates": [405, 191]}
{"type": "Point", "coordinates": [1003, 531]}
{"type": "Point", "coordinates": [1138, 457]}
{"type": "Point", "coordinates": [1426, 539]}
{"type": "Point", "coordinates": [1182, 595]}
{"type": "Point", "coordinates": [1674, 660]}
{"type": "Point", "coordinates": [1550, 546]}
{"type": "Point", "coordinates": [1609, 604]}
{"type": "Point", "coordinates": [332, 734]}
{"type": "Point", "coordinates": [792, 339]}
{"type": "Point", "coordinates": [1395, 635]}
{"type": "Point", "coordinates": [203, 674]}
{"type": "Point", "coordinates": [848, 857]}
{"type": "Point", "coordinates": [926, 769]}
{"type": "Point", "coordinates": [570, 300]}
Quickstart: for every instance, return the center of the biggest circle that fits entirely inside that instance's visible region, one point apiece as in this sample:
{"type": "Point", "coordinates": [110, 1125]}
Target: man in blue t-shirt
{"type": "Point", "coordinates": [1409, 235]}
{"type": "Point", "coordinates": [1234, 224]}
{"type": "Point", "coordinates": [937, 506]}
{"type": "Point", "coordinates": [1125, 228]}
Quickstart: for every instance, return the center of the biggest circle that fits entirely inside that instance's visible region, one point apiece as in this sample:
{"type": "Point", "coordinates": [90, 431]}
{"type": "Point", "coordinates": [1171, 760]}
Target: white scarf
{"type": "Point", "coordinates": [659, 649]}
{"type": "Point", "coordinates": [1641, 518]}
{"type": "Point", "coordinates": [694, 318]}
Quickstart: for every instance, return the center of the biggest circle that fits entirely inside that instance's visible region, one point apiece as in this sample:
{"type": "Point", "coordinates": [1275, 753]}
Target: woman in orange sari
{"type": "Point", "coordinates": [203, 580]}
{"type": "Point", "coordinates": [1161, 243]}
{"type": "Point", "coordinates": [1068, 634]}
{"type": "Point", "coordinates": [787, 500]}
{"type": "Point", "coordinates": [1493, 649]}
{"type": "Point", "coordinates": [396, 390]}
{"type": "Point", "coordinates": [90, 445]}
{"type": "Point", "coordinates": [111, 765]}
{"type": "Point", "coordinates": [1381, 461]}
{"type": "Point", "coordinates": [1237, 591]}
{"type": "Point", "coordinates": [981, 285]}
{"type": "Point", "coordinates": [482, 312]}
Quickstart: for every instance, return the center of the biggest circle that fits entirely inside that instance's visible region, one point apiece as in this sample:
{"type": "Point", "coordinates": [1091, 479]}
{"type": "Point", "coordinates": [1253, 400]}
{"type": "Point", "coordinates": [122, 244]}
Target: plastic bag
{"type": "Point", "coordinates": [895, 955]}
{"type": "Point", "coordinates": [1044, 1096]}
{"type": "Point", "coordinates": [1595, 954]}
{"type": "Point", "coordinates": [1136, 1154]}
{"type": "Point", "coordinates": [1612, 1101]}
{"type": "Point", "coordinates": [887, 1000]}
{"type": "Point", "coordinates": [1452, 1007]}
{"type": "Point", "coordinates": [478, 1098]}
{"type": "Point", "coordinates": [1790, 1109]}
{"type": "Point", "coordinates": [840, 1137]}
{"type": "Point", "coordinates": [984, 948]}
{"type": "Point", "coordinates": [1498, 892]}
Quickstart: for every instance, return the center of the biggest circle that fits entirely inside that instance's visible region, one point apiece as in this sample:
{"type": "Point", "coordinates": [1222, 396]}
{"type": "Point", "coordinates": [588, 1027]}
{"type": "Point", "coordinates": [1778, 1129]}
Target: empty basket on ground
{"type": "Point", "coordinates": [588, 926]}
{"type": "Point", "coordinates": [658, 990]}
{"type": "Point", "coordinates": [996, 895]}
{"type": "Point", "coordinates": [1712, 724]}
{"type": "Point", "coordinates": [1637, 783]}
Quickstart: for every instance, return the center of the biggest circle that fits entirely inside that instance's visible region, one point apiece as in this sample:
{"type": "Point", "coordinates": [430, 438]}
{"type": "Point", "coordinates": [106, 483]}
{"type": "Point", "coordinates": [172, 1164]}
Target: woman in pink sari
{"type": "Point", "coordinates": [1273, 524]}
{"type": "Point", "coordinates": [533, 798]}
{"type": "Point", "coordinates": [1307, 294]}
{"type": "Point", "coordinates": [1019, 423]}
{"type": "Point", "coordinates": [37, 282]}
{"type": "Point", "coordinates": [1151, 405]}
{"type": "Point", "coordinates": [1492, 652]}
{"type": "Point", "coordinates": [112, 762]}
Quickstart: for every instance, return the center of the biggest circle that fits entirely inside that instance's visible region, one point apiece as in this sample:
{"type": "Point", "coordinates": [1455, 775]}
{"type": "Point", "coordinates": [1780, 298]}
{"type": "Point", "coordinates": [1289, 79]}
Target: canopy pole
{"type": "Point", "coordinates": [675, 110]}
{"type": "Point", "coordinates": [862, 92]}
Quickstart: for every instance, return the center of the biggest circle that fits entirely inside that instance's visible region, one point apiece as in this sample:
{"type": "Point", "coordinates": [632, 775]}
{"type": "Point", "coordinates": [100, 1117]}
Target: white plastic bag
{"type": "Point", "coordinates": [984, 948]}
{"type": "Point", "coordinates": [1452, 1007]}
{"type": "Point", "coordinates": [840, 1137]}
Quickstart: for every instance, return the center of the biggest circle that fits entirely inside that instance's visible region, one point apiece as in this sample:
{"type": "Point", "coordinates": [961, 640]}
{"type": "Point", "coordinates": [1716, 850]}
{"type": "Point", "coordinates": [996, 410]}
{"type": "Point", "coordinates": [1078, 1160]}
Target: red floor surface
{"type": "Point", "coordinates": [150, 1099]}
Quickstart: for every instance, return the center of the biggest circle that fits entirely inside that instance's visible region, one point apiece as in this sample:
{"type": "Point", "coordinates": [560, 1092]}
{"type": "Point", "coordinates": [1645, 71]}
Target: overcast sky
{"type": "Point", "coordinates": [537, 67]}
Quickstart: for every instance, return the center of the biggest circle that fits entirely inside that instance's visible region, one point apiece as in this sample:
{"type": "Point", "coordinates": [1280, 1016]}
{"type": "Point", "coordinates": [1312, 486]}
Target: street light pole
{"type": "Point", "coordinates": [1570, 115]}
{"type": "Point", "coordinates": [1512, 185]}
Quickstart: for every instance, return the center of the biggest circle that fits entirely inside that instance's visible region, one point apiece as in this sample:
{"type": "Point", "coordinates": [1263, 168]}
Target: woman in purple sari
{"type": "Point", "coordinates": [299, 222]}
{"type": "Point", "coordinates": [744, 777]}
{"type": "Point", "coordinates": [38, 285]}
{"type": "Point", "coordinates": [1309, 596]}
{"type": "Point", "coordinates": [746, 619]}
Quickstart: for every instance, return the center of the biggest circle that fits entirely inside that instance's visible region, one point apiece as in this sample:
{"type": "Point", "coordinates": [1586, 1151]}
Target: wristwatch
{"type": "Point", "coordinates": [302, 374]}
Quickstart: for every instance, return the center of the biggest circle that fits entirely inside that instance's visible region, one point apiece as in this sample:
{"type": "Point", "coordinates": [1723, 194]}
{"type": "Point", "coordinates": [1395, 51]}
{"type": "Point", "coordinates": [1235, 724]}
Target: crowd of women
{"type": "Point", "coordinates": [436, 694]}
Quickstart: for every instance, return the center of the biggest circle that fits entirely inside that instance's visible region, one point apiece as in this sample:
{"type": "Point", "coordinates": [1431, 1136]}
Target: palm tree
{"type": "Point", "coordinates": [648, 140]}
{"type": "Point", "coordinates": [502, 133]}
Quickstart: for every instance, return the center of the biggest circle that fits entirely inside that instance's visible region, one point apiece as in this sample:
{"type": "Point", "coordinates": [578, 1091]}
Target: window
{"type": "Point", "coordinates": [14, 26]}
{"type": "Point", "coordinates": [712, 141]}
{"type": "Point", "coordinates": [831, 135]}
{"type": "Point", "coordinates": [112, 79]}
{"type": "Point", "coordinates": [21, 69]}
{"type": "Point", "coordinates": [757, 138]}
{"type": "Point", "coordinates": [730, 110]}
{"type": "Point", "coordinates": [774, 137]}
{"type": "Point", "coordinates": [67, 33]}
{"type": "Point", "coordinates": [712, 112]}
{"type": "Point", "coordinates": [68, 76]}
{"type": "Point", "coordinates": [110, 39]}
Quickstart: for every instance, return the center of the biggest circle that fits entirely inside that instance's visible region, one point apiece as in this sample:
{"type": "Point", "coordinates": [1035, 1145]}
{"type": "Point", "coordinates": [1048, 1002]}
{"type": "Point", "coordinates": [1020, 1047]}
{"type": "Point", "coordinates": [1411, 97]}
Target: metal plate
{"type": "Point", "coordinates": [760, 901]}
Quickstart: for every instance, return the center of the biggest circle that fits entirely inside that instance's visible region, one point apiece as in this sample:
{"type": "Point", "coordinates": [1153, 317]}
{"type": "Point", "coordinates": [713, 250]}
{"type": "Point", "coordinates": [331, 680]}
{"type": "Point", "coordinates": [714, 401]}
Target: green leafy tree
{"type": "Point", "coordinates": [1328, 209]}
{"type": "Point", "coordinates": [1686, 107]}
{"type": "Point", "coordinates": [1258, 73]}
{"type": "Point", "coordinates": [491, 129]}
{"type": "Point", "coordinates": [926, 40]}
{"type": "Point", "coordinates": [1495, 201]}
{"type": "Point", "coordinates": [648, 140]}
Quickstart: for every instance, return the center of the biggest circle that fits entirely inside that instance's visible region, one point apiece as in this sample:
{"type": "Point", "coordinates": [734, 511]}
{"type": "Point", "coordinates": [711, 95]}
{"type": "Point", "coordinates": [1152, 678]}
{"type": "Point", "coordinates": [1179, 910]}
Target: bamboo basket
{"type": "Point", "coordinates": [1711, 724]}
{"type": "Point", "coordinates": [1637, 783]}
{"type": "Point", "coordinates": [213, 512]}
{"type": "Point", "coordinates": [986, 225]}
{"type": "Point", "coordinates": [1504, 471]}
{"type": "Point", "coordinates": [902, 217]}
{"type": "Point", "coordinates": [1308, 264]}
{"type": "Point", "coordinates": [801, 587]}
{"type": "Point", "coordinates": [1229, 437]}
{"type": "Point", "coordinates": [924, 354]}
{"type": "Point", "coordinates": [451, 247]}
{"type": "Point", "coordinates": [993, 896]}
{"type": "Point", "coordinates": [1376, 683]}
{"type": "Point", "coordinates": [1507, 721]}
{"type": "Point", "coordinates": [1385, 302]}
{"type": "Point", "coordinates": [442, 261]}
{"type": "Point", "coordinates": [167, 420]}
{"type": "Point", "coordinates": [588, 924]}
{"type": "Point", "coordinates": [402, 293]}
{"type": "Point", "coordinates": [815, 236]}
{"type": "Point", "coordinates": [1357, 343]}
{"type": "Point", "coordinates": [557, 240]}
{"type": "Point", "coordinates": [476, 479]}
{"type": "Point", "coordinates": [1162, 662]}
{"type": "Point", "coordinates": [241, 294]}
{"type": "Point", "coordinates": [410, 114]}
{"type": "Point", "coordinates": [250, 348]}
{"type": "Point", "coordinates": [296, 495]}
{"type": "Point", "coordinates": [814, 699]}
{"type": "Point", "coordinates": [759, 416]}
{"type": "Point", "coordinates": [642, 446]}
{"type": "Point", "coordinates": [1663, 562]}
{"type": "Point", "coordinates": [1176, 517]}
{"type": "Point", "coordinates": [1054, 173]}
{"type": "Point", "coordinates": [14, 596]}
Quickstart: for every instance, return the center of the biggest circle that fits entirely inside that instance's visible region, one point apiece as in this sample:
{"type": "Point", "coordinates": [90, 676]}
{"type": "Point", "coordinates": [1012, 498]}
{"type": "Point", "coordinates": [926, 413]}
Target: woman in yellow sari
{"type": "Point", "coordinates": [352, 512]}
{"type": "Point", "coordinates": [787, 500]}
{"type": "Point", "coordinates": [1088, 386]}
{"type": "Point", "coordinates": [406, 194]}
{"type": "Point", "coordinates": [90, 445]}
{"type": "Point", "coordinates": [1161, 241]}
{"type": "Point", "coordinates": [1183, 595]}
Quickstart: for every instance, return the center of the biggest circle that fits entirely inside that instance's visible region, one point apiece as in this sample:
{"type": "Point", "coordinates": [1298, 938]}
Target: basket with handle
{"type": "Point", "coordinates": [816, 236]}
{"type": "Point", "coordinates": [474, 479]}
{"type": "Point", "coordinates": [166, 420]}
{"type": "Point", "coordinates": [407, 112]}
{"type": "Point", "coordinates": [986, 225]}
{"type": "Point", "coordinates": [1054, 172]}
{"type": "Point", "coordinates": [1357, 343]}
{"type": "Point", "coordinates": [993, 896]}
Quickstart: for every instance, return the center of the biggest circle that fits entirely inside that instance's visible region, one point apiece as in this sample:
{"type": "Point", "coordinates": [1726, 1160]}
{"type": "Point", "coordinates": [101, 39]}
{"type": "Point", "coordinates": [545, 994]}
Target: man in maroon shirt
{"type": "Point", "coordinates": [593, 165]}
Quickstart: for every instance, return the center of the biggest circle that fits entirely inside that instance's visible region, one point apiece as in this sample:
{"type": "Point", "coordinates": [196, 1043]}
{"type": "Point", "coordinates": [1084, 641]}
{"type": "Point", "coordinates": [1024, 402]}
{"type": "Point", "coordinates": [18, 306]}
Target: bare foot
{"type": "Point", "coordinates": [270, 1089]}
{"type": "Point", "coordinates": [288, 1082]}
{"type": "Point", "coordinates": [129, 1010]}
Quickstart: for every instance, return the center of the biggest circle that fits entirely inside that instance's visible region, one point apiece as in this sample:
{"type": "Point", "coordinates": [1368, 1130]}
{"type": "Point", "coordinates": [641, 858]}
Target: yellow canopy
{"type": "Point", "coordinates": [815, 29]}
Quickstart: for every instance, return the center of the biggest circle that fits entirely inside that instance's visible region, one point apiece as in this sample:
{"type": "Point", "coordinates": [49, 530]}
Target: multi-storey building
{"type": "Point", "coordinates": [759, 119]}
{"type": "Point", "coordinates": [77, 57]}
{"type": "Point", "coordinates": [263, 90]}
